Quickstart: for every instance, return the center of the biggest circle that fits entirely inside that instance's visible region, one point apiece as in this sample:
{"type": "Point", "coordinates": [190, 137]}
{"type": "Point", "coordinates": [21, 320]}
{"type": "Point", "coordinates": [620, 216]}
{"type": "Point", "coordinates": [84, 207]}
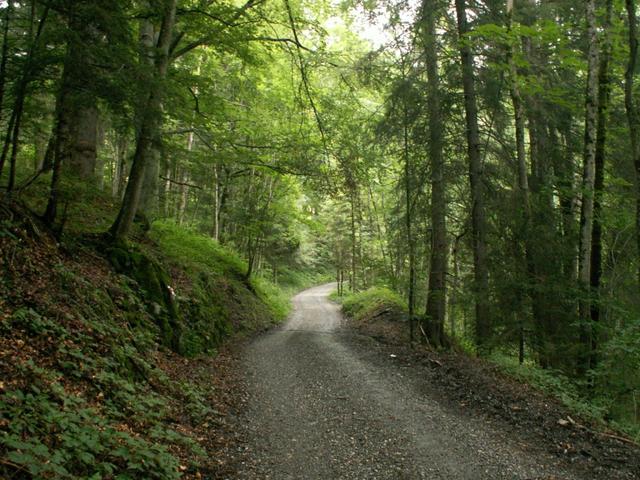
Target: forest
{"type": "Point", "coordinates": [478, 159]}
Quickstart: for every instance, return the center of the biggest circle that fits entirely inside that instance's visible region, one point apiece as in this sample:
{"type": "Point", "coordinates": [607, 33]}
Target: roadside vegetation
{"type": "Point", "coordinates": [109, 357]}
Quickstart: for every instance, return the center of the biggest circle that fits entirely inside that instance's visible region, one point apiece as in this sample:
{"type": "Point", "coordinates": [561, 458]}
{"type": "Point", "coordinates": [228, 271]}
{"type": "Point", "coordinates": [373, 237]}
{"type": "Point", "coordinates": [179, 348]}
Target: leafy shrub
{"type": "Point", "coordinates": [51, 433]}
{"type": "Point", "coordinates": [364, 304]}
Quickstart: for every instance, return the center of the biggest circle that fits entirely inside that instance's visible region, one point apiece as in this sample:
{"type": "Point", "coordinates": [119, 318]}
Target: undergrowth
{"type": "Point", "coordinates": [212, 266]}
{"type": "Point", "coordinates": [586, 400]}
{"type": "Point", "coordinates": [366, 303]}
{"type": "Point", "coordinates": [81, 397]}
{"type": "Point", "coordinates": [86, 389]}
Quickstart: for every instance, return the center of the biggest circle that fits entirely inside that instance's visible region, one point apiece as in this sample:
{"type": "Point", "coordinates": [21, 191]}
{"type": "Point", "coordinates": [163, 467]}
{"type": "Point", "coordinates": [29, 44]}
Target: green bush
{"type": "Point", "coordinates": [364, 304]}
{"type": "Point", "coordinates": [617, 378]}
{"type": "Point", "coordinates": [52, 431]}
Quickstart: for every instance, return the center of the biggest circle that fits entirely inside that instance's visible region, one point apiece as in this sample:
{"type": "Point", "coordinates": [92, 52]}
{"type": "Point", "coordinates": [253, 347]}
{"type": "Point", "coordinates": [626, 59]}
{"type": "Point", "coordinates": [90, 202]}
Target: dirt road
{"type": "Point", "coordinates": [323, 405]}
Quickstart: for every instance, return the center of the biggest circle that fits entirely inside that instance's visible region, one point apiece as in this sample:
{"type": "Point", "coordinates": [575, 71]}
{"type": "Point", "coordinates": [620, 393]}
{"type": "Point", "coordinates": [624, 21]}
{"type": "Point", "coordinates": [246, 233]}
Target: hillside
{"type": "Point", "coordinates": [107, 356]}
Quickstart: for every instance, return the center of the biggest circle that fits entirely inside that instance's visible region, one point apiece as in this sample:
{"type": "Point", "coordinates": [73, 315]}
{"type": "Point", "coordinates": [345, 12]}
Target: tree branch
{"type": "Point", "coordinates": [211, 37]}
{"type": "Point", "coordinates": [184, 184]}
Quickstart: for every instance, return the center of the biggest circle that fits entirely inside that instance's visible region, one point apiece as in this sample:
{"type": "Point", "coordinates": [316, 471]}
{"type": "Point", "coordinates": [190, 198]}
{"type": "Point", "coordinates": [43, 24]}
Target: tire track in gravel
{"type": "Point", "coordinates": [320, 409]}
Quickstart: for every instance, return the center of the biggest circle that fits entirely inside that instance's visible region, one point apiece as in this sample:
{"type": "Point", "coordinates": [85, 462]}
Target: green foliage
{"type": "Point", "coordinates": [553, 382]}
{"type": "Point", "coordinates": [617, 377]}
{"type": "Point", "coordinates": [53, 434]}
{"type": "Point", "coordinates": [51, 431]}
{"type": "Point", "coordinates": [195, 251]}
{"type": "Point", "coordinates": [363, 304]}
{"type": "Point", "coordinates": [609, 401]}
{"type": "Point", "coordinates": [220, 300]}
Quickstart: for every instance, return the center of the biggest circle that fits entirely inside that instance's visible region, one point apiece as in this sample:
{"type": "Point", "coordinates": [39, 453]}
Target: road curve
{"type": "Point", "coordinates": [321, 408]}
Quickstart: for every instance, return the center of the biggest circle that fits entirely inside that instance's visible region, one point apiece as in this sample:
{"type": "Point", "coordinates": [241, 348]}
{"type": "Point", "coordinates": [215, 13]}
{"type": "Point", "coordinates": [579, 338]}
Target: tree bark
{"type": "Point", "coordinates": [437, 293]}
{"type": "Point", "coordinates": [4, 56]}
{"type": "Point", "coordinates": [149, 128]}
{"type": "Point", "coordinates": [149, 192]}
{"type": "Point", "coordinates": [13, 128]}
{"type": "Point", "coordinates": [354, 245]}
{"type": "Point", "coordinates": [408, 193]}
{"type": "Point", "coordinates": [76, 117]}
{"type": "Point", "coordinates": [633, 112]}
{"type": "Point", "coordinates": [600, 158]}
{"type": "Point", "coordinates": [588, 182]}
{"type": "Point", "coordinates": [476, 180]}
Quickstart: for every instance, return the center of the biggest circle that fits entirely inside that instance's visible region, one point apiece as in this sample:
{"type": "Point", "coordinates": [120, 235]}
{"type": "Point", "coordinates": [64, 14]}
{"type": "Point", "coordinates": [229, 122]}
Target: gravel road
{"type": "Point", "coordinates": [324, 404]}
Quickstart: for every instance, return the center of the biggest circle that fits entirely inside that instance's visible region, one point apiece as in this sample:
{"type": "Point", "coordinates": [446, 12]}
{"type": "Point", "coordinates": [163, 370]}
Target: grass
{"type": "Point", "coordinates": [366, 303]}
{"type": "Point", "coordinates": [196, 252]}
{"type": "Point", "coordinates": [201, 256]}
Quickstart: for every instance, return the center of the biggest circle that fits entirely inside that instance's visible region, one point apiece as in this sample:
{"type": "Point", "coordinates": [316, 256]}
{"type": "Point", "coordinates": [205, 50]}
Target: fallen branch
{"type": "Point", "coordinates": [603, 434]}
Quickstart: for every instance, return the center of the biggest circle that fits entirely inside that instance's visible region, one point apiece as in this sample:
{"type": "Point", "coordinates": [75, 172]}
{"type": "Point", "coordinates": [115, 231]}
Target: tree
{"type": "Point", "coordinates": [478, 219]}
{"type": "Point", "coordinates": [588, 179]}
{"type": "Point", "coordinates": [632, 108]}
{"type": "Point", "coordinates": [437, 295]}
{"type": "Point", "coordinates": [150, 122]}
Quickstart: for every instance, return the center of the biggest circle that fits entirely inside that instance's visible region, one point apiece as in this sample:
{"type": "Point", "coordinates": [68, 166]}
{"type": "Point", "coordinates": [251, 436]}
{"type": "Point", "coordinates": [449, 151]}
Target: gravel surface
{"type": "Point", "coordinates": [323, 405]}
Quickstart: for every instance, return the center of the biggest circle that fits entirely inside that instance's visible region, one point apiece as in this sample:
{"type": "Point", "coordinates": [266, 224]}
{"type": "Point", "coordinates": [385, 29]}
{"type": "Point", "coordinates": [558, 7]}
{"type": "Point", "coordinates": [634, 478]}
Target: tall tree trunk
{"type": "Point", "coordinates": [149, 192]}
{"type": "Point", "coordinates": [588, 182]}
{"type": "Point", "coordinates": [522, 177]}
{"type": "Point", "coordinates": [476, 180]}
{"type": "Point", "coordinates": [13, 128]}
{"type": "Point", "coordinates": [633, 110]}
{"type": "Point", "coordinates": [120, 174]}
{"type": "Point", "coordinates": [184, 196]}
{"type": "Point", "coordinates": [4, 56]}
{"type": "Point", "coordinates": [598, 189]}
{"type": "Point", "coordinates": [408, 193]}
{"type": "Point", "coordinates": [437, 294]}
{"type": "Point", "coordinates": [354, 245]}
{"type": "Point", "coordinates": [150, 125]}
{"type": "Point", "coordinates": [216, 204]}
{"type": "Point", "coordinates": [76, 118]}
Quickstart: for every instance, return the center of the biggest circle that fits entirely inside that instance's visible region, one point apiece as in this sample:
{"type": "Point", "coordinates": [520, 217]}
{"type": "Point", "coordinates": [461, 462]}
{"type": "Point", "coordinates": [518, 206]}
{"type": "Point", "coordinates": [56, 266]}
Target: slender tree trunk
{"type": "Point", "coordinates": [122, 146]}
{"type": "Point", "coordinates": [216, 204]}
{"type": "Point", "coordinates": [13, 128]}
{"type": "Point", "coordinates": [522, 178]}
{"type": "Point", "coordinates": [588, 182]}
{"type": "Point", "coordinates": [476, 179]}
{"type": "Point", "coordinates": [354, 245]}
{"type": "Point", "coordinates": [408, 193]}
{"type": "Point", "coordinates": [437, 293]}
{"type": "Point", "coordinates": [633, 111]}
{"type": "Point", "coordinates": [184, 196]}
{"type": "Point", "coordinates": [5, 52]}
{"type": "Point", "coordinates": [151, 121]}
{"type": "Point", "coordinates": [600, 157]}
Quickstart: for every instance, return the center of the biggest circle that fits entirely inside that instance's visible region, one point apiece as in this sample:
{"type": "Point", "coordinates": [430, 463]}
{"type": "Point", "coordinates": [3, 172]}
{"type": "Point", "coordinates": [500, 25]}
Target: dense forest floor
{"type": "Point", "coordinates": [118, 369]}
